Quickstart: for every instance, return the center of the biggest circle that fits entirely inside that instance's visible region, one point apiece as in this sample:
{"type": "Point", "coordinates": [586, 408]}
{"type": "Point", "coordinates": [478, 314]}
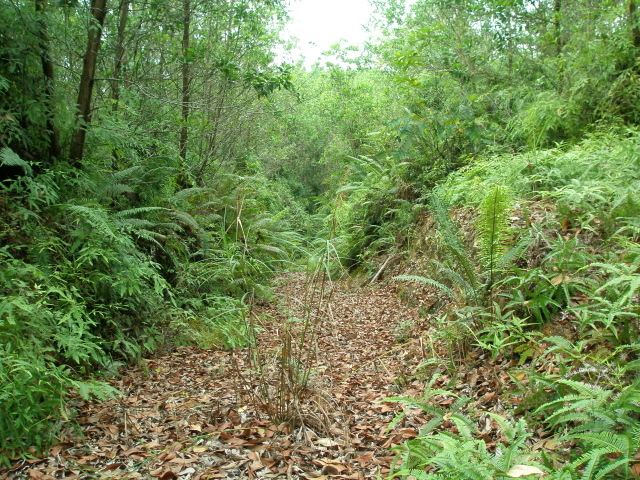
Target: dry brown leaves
{"type": "Point", "coordinates": [190, 415]}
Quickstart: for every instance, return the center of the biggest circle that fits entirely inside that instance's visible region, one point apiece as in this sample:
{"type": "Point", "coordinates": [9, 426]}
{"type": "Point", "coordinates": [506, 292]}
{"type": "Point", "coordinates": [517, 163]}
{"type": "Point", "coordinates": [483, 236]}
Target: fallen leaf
{"type": "Point", "coordinates": [168, 475]}
{"type": "Point", "coordinates": [326, 442]}
{"type": "Point", "coordinates": [132, 450]}
{"type": "Point", "coordinates": [524, 470]}
{"type": "Point", "coordinates": [520, 376]}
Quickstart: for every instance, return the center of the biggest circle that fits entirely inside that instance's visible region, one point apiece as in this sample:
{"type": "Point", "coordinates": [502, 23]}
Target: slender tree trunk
{"type": "Point", "coordinates": [635, 27]}
{"type": "Point", "coordinates": [186, 79]}
{"type": "Point", "coordinates": [557, 13]}
{"type": "Point", "coordinates": [120, 50]}
{"type": "Point", "coordinates": [49, 74]}
{"type": "Point", "coordinates": [83, 117]}
{"type": "Point", "coordinates": [123, 14]}
{"type": "Point", "coordinates": [186, 93]}
{"type": "Point", "coordinates": [557, 26]}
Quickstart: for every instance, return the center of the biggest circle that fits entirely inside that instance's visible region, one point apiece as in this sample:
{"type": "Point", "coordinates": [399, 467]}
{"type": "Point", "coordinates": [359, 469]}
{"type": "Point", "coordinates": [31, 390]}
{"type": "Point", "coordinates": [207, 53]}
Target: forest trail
{"type": "Point", "coordinates": [199, 414]}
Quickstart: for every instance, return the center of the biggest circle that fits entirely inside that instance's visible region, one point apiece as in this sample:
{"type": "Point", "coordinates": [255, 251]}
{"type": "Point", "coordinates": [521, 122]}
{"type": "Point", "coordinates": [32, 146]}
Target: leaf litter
{"type": "Point", "coordinates": [193, 415]}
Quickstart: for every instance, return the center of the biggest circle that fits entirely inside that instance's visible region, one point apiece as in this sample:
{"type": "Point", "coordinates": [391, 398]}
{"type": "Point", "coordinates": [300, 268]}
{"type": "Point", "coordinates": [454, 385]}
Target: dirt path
{"type": "Point", "coordinates": [196, 414]}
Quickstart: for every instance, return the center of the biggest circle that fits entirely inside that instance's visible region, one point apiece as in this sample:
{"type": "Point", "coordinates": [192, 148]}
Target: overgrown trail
{"type": "Point", "coordinates": [197, 414]}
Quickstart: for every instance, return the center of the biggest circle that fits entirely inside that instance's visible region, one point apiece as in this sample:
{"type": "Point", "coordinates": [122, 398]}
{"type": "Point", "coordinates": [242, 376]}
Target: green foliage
{"type": "Point", "coordinates": [147, 242]}
{"type": "Point", "coordinates": [10, 158]}
{"type": "Point", "coordinates": [472, 275]}
{"type": "Point", "coordinates": [91, 280]}
{"type": "Point", "coordinates": [503, 332]}
{"type": "Point", "coordinates": [462, 270]}
{"type": "Point", "coordinates": [493, 231]}
{"type": "Point", "coordinates": [33, 394]}
{"type": "Point", "coordinates": [602, 421]}
{"type": "Point", "coordinates": [439, 454]}
{"type": "Point", "coordinates": [377, 213]}
{"type": "Point", "coordinates": [613, 307]}
{"type": "Point", "coordinates": [592, 408]}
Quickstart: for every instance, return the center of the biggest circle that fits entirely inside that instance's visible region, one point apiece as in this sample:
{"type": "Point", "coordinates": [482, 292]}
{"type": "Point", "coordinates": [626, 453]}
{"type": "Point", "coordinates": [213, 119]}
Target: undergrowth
{"type": "Point", "coordinates": [95, 277]}
{"type": "Point", "coordinates": [560, 256]}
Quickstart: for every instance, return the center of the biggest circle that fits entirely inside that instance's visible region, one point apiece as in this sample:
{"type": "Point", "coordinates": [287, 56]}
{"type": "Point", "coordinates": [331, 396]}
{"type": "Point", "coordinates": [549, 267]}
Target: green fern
{"type": "Point", "coordinates": [427, 281]}
{"type": "Point", "coordinates": [459, 267]}
{"type": "Point", "coordinates": [593, 409]}
{"type": "Point", "coordinates": [95, 216]}
{"type": "Point", "coordinates": [450, 235]}
{"type": "Point", "coordinates": [599, 449]}
{"type": "Point", "coordinates": [461, 456]}
{"type": "Point", "coordinates": [11, 159]}
{"type": "Point", "coordinates": [493, 230]}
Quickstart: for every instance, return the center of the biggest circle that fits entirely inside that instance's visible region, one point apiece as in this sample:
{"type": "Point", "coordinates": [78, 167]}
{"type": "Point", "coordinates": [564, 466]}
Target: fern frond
{"type": "Point", "coordinates": [150, 236]}
{"type": "Point", "coordinates": [10, 158]}
{"type": "Point", "coordinates": [131, 224]}
{"type": "Point", "coordinates": [96, 217]}
{"type": "Point", "coordinates": [114, 190]}
{"type": "Point", "coordinates": [629, 398]}
{"type": "Point", "coordinates": [132, 212]}
{"type": "Point", "coordinates": [185, 219]}
{"type": "Point", "coordinates": [493, 228]}
{"type": "Point", "coordinates": [607, 440]}
{"type": "Point", "coordinates": [605, 471]}
{"type": "Point", "coordinates": [190, 192]}
{"type": "Point", "coordinates": [121, 174]}
{"type": "Point", "coordinates": [427, 281]}
{"type": "Point", "coordinates": [459, 281]}
{"type": "Point", "coordinates": [448, 231]}
{"type": "Point", "coordinates": [588, 390]}
{"type": "Point", "coordinates": [515, 252]}
{"type": "Point", "coordinates": [592, 458]}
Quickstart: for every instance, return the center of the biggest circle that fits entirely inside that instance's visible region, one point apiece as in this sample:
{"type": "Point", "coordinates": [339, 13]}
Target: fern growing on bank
{"type": "Point", "coordinates": [462, 270]}
{"type": "Point", "coordinates": [436, 454]}
{"type": "Point", "coordinates": [472, 275]}
{"type": "Point", "coordinates": [493, 232]}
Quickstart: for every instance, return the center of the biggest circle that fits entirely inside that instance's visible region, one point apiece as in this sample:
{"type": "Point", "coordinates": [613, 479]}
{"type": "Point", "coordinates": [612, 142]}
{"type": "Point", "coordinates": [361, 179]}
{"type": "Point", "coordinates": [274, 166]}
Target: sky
{"type": "Point", "coordinates": [318, 24]}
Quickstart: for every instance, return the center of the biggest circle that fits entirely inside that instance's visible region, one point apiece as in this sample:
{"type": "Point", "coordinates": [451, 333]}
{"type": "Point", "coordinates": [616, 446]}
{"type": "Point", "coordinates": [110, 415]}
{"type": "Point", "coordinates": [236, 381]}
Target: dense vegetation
{"type": "Point", "coordinates": [494, 143]}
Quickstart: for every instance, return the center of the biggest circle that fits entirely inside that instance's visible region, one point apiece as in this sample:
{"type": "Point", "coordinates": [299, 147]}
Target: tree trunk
{"type": "Point", "coordinates": [557, 25]}
{"type": "Point", "coordinates": [49, 74]}
{"type": "Point", "coordinates": [186, 87]}
{"type": "Point", "coordinates": [120, 50]}
{"type": "Point", "coordinates": [186, 79]}
{"type": "Point", "coordinates": [557, 17]}
{"type": "Point", "coordinates": [83, 116]}
{"type": "Point", "coordinates": [633, 20]}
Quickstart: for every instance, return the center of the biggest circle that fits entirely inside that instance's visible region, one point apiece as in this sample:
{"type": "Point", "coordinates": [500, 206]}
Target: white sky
{"type": "Point", "coordinates": [324, 23]}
